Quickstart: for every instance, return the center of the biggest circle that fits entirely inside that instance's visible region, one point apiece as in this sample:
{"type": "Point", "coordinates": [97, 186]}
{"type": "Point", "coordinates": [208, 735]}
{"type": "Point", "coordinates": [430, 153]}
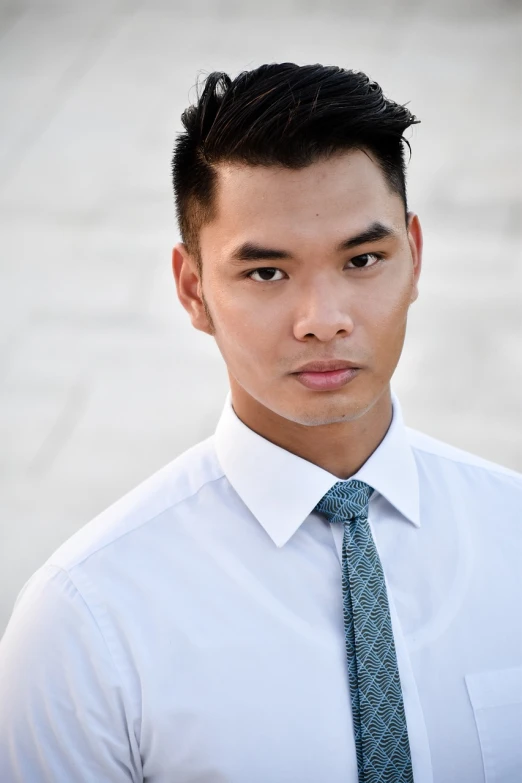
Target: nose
{"type": "Point", "coordinates": [323, 312]}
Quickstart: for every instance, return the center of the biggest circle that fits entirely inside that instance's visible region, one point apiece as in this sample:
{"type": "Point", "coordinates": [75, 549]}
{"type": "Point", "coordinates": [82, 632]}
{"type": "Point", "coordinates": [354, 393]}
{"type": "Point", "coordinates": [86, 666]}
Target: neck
{"type": "Point", "coordinates": [341, 448]}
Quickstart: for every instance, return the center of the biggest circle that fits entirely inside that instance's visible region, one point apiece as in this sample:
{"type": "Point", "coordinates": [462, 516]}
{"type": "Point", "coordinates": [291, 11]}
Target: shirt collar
{"type": "Point", "coordinates": [282, 489]}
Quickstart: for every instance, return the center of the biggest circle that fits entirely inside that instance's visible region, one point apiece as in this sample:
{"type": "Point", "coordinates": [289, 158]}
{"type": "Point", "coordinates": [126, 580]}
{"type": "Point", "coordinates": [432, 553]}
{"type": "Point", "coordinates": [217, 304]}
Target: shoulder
{"type": "Point", "coordinates": [170, 488]}
{"type": "Point", "coordinates": [448, 461]}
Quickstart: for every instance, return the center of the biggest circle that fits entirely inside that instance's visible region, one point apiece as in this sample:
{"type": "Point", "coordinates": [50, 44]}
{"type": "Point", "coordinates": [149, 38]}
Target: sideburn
{"type": "Point", "coordinates": [207, 313]}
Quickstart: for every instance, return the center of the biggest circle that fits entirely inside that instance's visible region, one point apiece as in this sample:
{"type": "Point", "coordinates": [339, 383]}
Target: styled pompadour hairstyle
{"type": "Point", "coordinates": [281, 114]}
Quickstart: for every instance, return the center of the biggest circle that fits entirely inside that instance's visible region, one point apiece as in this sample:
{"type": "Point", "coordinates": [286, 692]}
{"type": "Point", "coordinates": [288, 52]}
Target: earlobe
{"type": "Point", "coordinates": [188, 287]}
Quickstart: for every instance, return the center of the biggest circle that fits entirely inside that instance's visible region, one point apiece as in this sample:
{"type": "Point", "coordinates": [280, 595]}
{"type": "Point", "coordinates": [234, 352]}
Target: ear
{"type": "Point", "coordinates": [188, 286]}
{"type": "Point", "coordinates": [415, 242]}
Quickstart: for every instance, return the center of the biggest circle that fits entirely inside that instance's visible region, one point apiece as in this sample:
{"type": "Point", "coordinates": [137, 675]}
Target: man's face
{"type": "Point", "coordinates": [286, 282]}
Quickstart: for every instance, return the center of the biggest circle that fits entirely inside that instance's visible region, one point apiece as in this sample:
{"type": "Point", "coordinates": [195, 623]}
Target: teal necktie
{"type": "Point", "coordinates": [381, 734]}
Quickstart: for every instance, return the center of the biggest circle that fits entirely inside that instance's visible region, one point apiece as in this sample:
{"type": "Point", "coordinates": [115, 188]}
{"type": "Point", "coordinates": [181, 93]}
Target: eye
{"type": "Point", "coordinates": [265, 274]}
{"type": "Point", "coordinates": [361, 262]}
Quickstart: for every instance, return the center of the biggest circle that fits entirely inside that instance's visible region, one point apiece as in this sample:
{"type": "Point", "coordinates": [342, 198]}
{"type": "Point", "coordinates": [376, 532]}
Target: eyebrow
{"type": "Point", "coordinates": [373, 233]}
{"type": "Point", "coordinates": [250, 251]}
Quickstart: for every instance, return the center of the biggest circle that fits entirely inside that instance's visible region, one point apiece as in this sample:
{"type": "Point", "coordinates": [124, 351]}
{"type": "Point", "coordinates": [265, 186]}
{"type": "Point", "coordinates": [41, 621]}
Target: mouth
{"type": "Point", "coordinates": [326, 376]}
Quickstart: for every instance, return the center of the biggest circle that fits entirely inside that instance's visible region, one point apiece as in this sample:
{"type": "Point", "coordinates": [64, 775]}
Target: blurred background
{"type": "Point", "coordinates": [102, 378]}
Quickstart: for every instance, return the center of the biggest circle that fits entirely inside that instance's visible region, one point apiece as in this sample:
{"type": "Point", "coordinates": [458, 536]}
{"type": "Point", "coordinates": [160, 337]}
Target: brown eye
{"type": "Point", "coordinates": [265, 274]}
{"type": "Point", "coordinates": [363, 261]}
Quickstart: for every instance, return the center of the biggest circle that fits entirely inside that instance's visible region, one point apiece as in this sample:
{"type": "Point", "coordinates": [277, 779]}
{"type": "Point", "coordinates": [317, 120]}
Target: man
{"type": "Point", "coordinates": [315, 593]}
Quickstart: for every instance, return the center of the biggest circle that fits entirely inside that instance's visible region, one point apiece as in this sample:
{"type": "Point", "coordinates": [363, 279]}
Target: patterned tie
{"type": "Point", "coordinates": [381, 735]}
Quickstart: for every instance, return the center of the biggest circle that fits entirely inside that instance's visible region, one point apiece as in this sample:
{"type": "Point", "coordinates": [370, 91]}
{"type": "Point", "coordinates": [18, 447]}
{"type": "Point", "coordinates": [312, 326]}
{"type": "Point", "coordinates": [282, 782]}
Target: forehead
{"type": "Point", "coordinates": [328, 196]}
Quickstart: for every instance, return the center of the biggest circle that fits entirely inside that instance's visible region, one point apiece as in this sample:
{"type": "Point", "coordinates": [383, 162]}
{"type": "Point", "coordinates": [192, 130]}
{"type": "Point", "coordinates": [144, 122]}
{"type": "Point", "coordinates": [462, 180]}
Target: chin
{"type": "Point", "coordinates": [319, 409]}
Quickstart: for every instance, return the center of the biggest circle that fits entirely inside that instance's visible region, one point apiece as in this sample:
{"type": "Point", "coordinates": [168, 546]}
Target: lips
{"type": "Point", "coordinates": [329, 377]}
{"type": "Point", "coordinates": [327, 366]}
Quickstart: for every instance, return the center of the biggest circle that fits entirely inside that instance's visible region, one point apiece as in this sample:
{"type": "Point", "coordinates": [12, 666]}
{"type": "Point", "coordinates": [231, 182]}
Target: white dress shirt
{"type": "Point", "coordinates": [193, 632]}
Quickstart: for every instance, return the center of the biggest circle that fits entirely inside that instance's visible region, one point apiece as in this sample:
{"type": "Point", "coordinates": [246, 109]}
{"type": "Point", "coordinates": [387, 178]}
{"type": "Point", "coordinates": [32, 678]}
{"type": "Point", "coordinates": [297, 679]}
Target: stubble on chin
{"type": "Point", "coordinates": [321, 412]}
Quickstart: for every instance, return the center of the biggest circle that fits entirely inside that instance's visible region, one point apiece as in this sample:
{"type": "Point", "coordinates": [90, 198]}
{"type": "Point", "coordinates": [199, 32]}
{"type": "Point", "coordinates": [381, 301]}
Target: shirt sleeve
{"type": "Point", "coordinates": [62, 703]}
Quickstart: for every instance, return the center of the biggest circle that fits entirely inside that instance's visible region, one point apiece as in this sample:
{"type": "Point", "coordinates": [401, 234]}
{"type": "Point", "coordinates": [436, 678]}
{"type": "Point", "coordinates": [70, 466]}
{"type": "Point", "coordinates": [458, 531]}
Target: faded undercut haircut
{"type": "Point", "coordinates": [281, 114]}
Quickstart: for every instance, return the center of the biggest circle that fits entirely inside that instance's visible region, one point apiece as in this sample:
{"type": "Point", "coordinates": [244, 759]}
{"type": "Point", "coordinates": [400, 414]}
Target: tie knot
{"type": "Point", "coordinates": [345, 501]}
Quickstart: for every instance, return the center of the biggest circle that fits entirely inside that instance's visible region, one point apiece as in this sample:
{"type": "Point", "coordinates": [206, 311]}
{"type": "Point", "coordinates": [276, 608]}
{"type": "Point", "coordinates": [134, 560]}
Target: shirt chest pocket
{"type": "Point", "coordinates": [496, 698]}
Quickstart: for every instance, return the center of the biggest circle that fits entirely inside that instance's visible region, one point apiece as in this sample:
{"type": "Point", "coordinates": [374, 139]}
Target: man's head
{"type": "Point", "coordinates": [297, 171]}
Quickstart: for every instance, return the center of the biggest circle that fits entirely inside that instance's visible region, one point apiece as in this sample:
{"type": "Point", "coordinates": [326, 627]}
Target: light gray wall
{"type": "Point", "coordinates": [102, 378]}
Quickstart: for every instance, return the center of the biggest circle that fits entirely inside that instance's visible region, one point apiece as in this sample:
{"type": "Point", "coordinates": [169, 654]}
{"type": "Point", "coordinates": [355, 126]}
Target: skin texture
{"type": "Point", "coordinates": [319, 305]}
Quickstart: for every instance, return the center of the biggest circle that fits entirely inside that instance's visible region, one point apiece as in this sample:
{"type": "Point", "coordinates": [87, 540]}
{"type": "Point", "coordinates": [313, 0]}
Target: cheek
{"type": "Point", "coordinates": [395, 313]}
{"type": "Point", "coordinates": [243, 315]}
{"type": "Point", "coordinates": [392, 300]}
{"type": "Point", "coordinates": [385, 318]}
{"type": "Point", "coordinates": [245, 336]}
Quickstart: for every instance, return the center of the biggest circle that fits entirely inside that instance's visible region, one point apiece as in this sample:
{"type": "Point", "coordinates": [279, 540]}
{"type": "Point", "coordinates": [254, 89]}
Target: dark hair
{"type": "Point", "coordinates": [281, 114]}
